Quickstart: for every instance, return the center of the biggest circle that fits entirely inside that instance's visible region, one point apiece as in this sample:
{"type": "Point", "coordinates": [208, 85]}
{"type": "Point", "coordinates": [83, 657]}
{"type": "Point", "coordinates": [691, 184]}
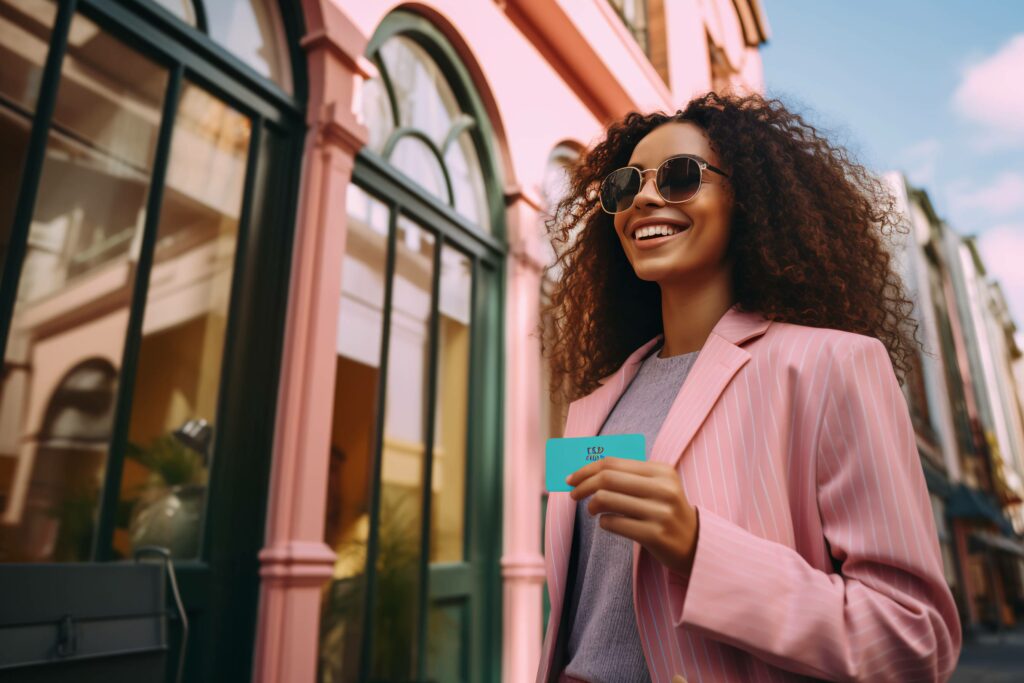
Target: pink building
{"type": "Point", "coordinates": [271, 275]}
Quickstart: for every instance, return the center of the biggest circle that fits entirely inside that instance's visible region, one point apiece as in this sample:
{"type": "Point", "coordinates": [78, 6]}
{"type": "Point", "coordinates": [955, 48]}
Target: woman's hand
{"type": "Point", "coordinates": [650, 499]}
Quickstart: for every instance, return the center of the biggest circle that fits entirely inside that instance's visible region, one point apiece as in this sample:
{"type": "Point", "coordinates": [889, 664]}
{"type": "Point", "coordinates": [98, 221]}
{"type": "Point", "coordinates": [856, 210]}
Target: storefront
{"type": "Point", "coordinates": [270, 296]}
{"type": "Point", "coordinates": [147, 196]}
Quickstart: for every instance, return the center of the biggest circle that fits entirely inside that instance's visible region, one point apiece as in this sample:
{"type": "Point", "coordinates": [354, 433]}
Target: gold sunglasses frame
{"type": "Point", "coordinates": [701, 164]}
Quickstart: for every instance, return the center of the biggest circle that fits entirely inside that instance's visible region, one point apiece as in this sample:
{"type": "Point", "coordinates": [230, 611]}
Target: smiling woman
{"type": "Point", "coordinates": [746, 308]}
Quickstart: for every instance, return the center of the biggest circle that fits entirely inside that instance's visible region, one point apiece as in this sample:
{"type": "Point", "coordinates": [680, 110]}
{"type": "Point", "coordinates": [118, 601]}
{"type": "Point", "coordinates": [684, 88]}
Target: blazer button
{"type": "Point", "coordinates": [679, 678]}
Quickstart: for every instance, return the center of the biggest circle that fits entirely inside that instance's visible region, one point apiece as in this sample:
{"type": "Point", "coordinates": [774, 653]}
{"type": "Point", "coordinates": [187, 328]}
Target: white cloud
{"type": "Point", "coordinates": [990, 93]}
{"type": "Point", "coordinates": [1003, 196]}
{"type": "Point", "coordinates": [1002, 251]}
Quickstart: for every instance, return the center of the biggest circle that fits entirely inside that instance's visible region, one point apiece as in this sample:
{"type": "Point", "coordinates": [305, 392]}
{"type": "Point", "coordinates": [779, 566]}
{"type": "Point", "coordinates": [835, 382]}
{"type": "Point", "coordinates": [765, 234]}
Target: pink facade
{"type": "Point", "coordinates": [549, 73]}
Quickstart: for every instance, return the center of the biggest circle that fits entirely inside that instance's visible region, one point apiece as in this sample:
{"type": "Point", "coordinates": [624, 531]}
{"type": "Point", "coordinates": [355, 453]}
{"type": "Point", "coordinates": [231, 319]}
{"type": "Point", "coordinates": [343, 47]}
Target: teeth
{"type": "Point", "coordinates": [651, 230]}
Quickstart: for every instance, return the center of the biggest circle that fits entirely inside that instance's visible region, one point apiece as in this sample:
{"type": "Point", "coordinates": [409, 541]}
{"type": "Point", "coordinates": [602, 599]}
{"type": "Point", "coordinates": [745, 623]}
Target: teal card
{"type": "Point", "coordinates": [565, 456]}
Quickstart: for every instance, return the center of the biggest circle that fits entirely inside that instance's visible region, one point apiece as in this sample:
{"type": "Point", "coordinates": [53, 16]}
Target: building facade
{"type": "Point", "coordinates": [966, 411]}
{"type": "Point", "coordinates": [271, 276]}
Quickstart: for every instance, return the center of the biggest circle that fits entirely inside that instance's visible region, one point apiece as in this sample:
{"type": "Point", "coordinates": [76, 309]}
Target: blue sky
{"type": "Point", "coordinates": [934, 89]}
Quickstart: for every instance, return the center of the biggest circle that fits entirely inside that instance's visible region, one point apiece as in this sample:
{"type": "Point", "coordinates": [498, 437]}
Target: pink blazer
{"type": "Point", "coordinates": [795, 445]}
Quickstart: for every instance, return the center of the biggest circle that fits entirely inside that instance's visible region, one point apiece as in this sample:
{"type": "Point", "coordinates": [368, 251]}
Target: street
{"type": "Point", "coordinates": [992, 658]}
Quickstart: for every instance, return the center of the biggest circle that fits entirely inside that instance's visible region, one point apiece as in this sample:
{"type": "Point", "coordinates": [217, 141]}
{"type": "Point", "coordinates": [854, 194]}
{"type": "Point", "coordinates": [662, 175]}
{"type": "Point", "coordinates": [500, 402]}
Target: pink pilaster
{"type": "Point", "coordinates": [522, 565]}
{"type": "Point", "coordinates": [295, 561]}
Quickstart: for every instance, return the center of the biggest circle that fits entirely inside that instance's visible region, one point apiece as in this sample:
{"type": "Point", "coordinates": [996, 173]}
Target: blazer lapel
{"type": "Point", "coordinates": [719, 360]}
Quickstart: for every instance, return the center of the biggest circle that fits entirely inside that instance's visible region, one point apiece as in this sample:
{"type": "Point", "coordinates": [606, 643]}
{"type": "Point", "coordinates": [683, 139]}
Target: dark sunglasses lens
{"type": "Point", "coordinates": [619, 188]}
{"type": "Point", "coordinates": [678, 179]}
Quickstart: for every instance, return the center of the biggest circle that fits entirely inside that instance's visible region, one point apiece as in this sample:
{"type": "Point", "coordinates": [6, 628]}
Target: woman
{"type": "Point", "coordinates": [780, 528]}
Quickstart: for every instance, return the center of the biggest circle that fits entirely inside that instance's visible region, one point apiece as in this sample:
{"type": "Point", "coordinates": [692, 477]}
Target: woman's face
{"type": "Point", "coordinates": [699, 250]}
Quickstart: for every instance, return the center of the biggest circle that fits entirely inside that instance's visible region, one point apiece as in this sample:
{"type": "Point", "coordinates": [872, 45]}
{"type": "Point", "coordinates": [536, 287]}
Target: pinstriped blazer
{"type": "Point", "coordinates": [817, 555]}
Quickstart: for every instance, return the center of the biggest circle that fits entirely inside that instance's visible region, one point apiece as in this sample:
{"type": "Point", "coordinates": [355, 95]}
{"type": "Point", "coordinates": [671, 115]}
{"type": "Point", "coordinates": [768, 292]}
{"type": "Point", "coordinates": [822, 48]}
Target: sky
{"type": "Point", "coordinates": [934, 89]}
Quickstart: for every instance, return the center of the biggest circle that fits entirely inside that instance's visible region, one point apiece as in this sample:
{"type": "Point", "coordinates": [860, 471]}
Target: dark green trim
{"type": "Point", "coordinates": [102, 548]}
{"type": "Point", "coordinates": [35, 157]}
{"type": "Point", "coordinates": [371, 171]}
{"type": "Point", "coordinates": [448, 580]}
{"type": "Point", "coordinates": [406, 132]}
{"type": "Point", "coordinates": [165, 38]}
{"type": "Point", "coordinates": [389, 88]}
{"type": "Point", "coordinates": [373, 542]}
{"type": "Point", "coordinates": [436, 44]}
{"type": "Point", "coordinates": [462, 123]}
{"type": "Point", "coordinates": [200, 10]}
{"type": "Point", "coordinates": [433, 347]}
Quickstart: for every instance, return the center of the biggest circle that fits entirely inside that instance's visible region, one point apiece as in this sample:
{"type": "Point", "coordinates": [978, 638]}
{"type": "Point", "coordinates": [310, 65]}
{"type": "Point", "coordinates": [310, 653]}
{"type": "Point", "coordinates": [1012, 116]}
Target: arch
{"type": "Point", "coordinates": [89, 387]}
{"type": "Point", "coordinates": [479, 79]}
{"type": "Point", "coordinates": [418, 26]}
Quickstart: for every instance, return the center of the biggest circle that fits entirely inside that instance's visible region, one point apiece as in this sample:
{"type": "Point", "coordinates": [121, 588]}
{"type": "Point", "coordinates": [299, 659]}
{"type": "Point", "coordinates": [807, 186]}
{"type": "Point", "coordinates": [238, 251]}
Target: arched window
{"type": "Point", "coordinates": [414, 472]}
{"type": "Point", "coordinates": [421, 126]}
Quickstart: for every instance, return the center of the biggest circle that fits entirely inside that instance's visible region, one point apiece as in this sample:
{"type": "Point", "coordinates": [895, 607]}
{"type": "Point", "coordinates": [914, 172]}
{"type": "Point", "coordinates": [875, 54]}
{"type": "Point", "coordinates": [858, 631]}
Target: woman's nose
{"type": "Point", "coordinates": [648, 194]}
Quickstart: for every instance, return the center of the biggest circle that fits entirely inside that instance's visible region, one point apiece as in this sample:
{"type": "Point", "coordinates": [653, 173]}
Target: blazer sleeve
{"type": "Point", "coordinates": [888, 614]}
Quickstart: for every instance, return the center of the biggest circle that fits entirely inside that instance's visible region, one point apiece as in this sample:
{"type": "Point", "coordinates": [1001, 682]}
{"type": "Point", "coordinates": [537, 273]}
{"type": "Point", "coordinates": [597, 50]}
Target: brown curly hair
{"type": "Point", "coordinates": [808, 238]}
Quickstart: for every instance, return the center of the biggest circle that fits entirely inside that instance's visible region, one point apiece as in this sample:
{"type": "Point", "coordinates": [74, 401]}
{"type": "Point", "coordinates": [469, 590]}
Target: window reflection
{"type": "Point", "coordinates": [357, 376]}
{"type": "Point", "coordinates": [25, 27]}
{"type": "Point", "coordinates": [177, 380]}
{"type": "Point", "coordinates": [252, 31]}
{"type": "Point", "coordinates": [73, 293]}
{"type": "Point", "coordinates": [403, 456]}
{"type": "Point", "coordinates": [448, 482]}
{"type": "Point", "coordinates": [414, 158]}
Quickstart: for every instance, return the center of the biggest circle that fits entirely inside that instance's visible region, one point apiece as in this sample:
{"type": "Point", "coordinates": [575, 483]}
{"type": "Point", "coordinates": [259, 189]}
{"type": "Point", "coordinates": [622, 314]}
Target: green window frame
{"type": "Point", "coordinates": [220, 587]}
{"type": "Point", "coordinates": [476, 582]}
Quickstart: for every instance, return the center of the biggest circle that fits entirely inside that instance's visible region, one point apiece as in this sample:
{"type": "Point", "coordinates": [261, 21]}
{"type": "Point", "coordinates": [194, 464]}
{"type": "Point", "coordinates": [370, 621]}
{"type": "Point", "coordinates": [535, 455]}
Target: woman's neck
{"type": "Point", "coordinates": [689, 312]}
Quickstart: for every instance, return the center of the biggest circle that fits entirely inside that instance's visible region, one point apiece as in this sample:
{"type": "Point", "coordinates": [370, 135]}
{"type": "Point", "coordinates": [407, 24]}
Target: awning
{"type": "Point", "coordinates": [937, 482]}
{"type": "Point", "coordinates": [971, 503]}
{"type": "Point", "coordinates": [997, 542]}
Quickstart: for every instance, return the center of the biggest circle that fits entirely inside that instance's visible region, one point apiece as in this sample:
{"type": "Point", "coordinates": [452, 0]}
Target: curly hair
{"type": "Point", "coordinates": [808, 239]}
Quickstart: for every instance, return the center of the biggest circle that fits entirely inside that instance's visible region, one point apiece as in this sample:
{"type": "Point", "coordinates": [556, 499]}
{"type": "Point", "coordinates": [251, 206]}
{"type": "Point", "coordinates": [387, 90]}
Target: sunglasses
{"type": "Point", "coordinates": [678, 179]}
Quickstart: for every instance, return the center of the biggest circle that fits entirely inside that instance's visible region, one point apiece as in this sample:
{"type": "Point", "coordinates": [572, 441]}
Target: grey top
{"type": "Point", "coordinates": [604, 644]}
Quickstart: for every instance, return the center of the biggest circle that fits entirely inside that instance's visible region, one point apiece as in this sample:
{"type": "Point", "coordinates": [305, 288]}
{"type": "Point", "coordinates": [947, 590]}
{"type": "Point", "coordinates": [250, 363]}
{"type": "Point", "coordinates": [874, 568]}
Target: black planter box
{"type": "Point", "coordinates": [82, 622]}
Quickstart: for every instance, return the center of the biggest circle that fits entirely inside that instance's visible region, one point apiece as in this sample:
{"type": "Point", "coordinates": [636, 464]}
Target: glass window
{"type": "Point", "coordinates": [177, 380]}
{"type": "Point", "coordinates": [253, 32]}
{"type": "Point", "coordinates": [183, 9]}
{"type": "Point", "coordinates": [426, 114]}
{"type": "Point", "coordinates": [25, 27]}
{"type": "Point", "coordinates": [448, 482]}
{"type": "Point", "coordinates": [77, 278]}
{"type": "Point", "coordinates": [357, 377]}
{"type": "Point", "coordinates": [634, 16]}
{"type": "Point", "coordinates": [403, 463]}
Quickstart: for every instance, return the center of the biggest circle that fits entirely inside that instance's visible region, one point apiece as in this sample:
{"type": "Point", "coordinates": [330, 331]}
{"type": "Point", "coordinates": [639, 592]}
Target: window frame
{"type": "Point", "coordinates": [215, 585]}
{"type": "Point", "coordinates": [463, 584]}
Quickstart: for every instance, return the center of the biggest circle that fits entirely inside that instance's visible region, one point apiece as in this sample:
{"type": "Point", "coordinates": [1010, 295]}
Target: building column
{"type": "Point", "coordinates": [522, 564]}
{"type": "Point", "coordinates": [295, 562]}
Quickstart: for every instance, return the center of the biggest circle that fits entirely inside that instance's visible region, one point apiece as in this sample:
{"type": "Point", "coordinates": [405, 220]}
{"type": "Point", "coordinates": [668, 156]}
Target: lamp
{"type": "Point", "coordinates": [196, 434]}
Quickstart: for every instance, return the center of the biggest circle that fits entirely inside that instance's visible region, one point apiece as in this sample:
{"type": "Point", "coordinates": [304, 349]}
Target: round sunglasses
{"type": "Point", "coordinates": [678, 179]}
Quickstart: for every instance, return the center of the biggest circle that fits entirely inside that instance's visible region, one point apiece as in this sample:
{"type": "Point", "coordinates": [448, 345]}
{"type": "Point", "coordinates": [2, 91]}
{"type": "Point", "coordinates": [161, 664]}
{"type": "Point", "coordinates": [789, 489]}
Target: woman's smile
{"type": "Point", "coordinates": [654, 235]}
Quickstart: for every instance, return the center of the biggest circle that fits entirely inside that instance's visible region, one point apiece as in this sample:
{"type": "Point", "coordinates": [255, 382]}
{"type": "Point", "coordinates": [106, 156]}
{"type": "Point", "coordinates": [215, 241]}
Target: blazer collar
{"type": "Point", "coordinates": [719, 359]}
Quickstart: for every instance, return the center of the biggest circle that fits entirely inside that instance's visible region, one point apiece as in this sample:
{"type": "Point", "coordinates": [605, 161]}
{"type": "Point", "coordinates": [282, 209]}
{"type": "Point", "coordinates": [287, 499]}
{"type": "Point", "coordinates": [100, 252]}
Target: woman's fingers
{"type": "Point", "coordinates": [622, 482]}
{"type": "Point", "coordinates": [642, 467]}
{"type": "Point", "coordinates": [634, 529]}
{"type": "Point", "coordinates": [653, 481]}
{"type": "Point", "coordinates": [617, 503]}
